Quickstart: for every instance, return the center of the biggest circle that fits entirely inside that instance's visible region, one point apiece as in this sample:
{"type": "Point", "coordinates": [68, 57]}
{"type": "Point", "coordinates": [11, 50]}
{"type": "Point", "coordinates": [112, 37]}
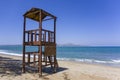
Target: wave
{"type": "Point", "coordinates": [113, 61]}
{"type": "Point", "coordinates": [9, 53]}
{"type": "Point", "coordinates": [116, 61]}
{"type": "Point", "coordinates": [91, 60]}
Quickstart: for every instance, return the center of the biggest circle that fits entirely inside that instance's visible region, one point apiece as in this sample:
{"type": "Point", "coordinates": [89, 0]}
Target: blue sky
{"type": "Point", "coordinates": [81, 22]}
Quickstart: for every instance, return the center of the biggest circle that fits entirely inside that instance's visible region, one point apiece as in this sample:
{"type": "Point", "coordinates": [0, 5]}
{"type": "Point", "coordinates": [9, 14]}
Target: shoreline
{"type": "Point", "coordinates": [108, 56]}
{"type": "Point", "coordinates": [68, 70]}
{"type": "Point", "coordinates": [19, 56]}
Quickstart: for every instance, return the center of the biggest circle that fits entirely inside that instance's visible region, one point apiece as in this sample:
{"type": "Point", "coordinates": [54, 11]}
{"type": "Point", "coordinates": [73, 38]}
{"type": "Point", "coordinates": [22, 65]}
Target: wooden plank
{"type": "Point", "coordinates": [24, 26]}
{"type": "Point", "coordinates": [33, 43]}
{"type": "Point", "coordinates": [28, 58]}
{"type": "Point", "coordinates": [45, 36]}
{"type": "Point", "coordinates": [48, 14]}
{"type": "Point", "coordinates": [31, 36]}
{"type": "Point", "coordinates": [55, 30]}
{"type": "Point", "coordinates": [40, 47]}
{"type": "Point", "coordinates": [35, 37]}
{"type": "Point", "coordinates": [50, 50]}
{"type": "Point", "coordinates": [34, 59]}
{"type": "Point", "coordinates": [31, 30]}
{"type": "Point", "coordinates": [47, 30]}
{"type": "Point", "coordinates": [28, 37]}
{"type": "Point", "coordinates": [48, 36]}
{"type": "Point", "coordinates": [36, 52]}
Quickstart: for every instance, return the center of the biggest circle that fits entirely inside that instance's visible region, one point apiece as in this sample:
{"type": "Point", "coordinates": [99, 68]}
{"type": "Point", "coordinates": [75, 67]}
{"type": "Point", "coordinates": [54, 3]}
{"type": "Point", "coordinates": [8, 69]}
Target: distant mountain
{"type": "Point", "coordinates": [69, 44]}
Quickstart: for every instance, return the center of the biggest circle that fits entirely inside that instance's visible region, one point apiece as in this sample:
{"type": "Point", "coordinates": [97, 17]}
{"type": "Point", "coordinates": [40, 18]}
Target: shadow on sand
{"type": "Point", "coordinates": [9, 66]}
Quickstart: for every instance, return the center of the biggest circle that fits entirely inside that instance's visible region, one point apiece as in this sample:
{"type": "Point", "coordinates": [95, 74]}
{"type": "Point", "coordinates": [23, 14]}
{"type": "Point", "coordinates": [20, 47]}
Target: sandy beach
{"type": "Point", "coordinates": [10, 69]}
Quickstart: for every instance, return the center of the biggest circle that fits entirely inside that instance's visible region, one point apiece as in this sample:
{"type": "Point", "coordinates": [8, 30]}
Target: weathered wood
{"type": "Point", "coordinates": [48, 36]}
{"type": "Point", "coordinates": [28, 58]}
{"type": "Point", "coordinates": [24, 26]}
{"type": "Point", "coordinates": [39, 37]}
{"type": "Point", "coordinates": [55, 30]}
{"type": "Point", "coordinates": [45, 36]}
{"type": "Point", "coordinates": [32, 53]}
{"type": "Point", "coordinates": [35, 37]}
{"type": "Point", "coordinates": [28, 37]}
{"type": "Point", "coordinates": [38, 43]}
{"type": "Point", "coordinates": [48, 14]}
{"type": "Point", "coordinates": [50, 50]}
{"type": "Point", "coordinates": [47, 30]}
{"type": "Point", "coordinates": [31, 30]}
{"type": "Point", "coordinates": [40, 47]}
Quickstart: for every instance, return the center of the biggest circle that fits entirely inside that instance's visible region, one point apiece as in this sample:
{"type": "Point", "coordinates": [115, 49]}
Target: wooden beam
{"type": "Point", "coordinates": [40, 47]}
{"type": "Point", "coordinates": [35, 36]}
{"type": "Point", "coordinates": [24, 26]}
{"type": "Point", "coordinates": [28, 58]}
{"type": "Point", "coordinates": [34, 59]}
{"type": "Point", "coordinates": [55, 30]}
{"type": "Point", "coordinates": [35, 39]}
{"type": "Point", "coordinates": [48, 14]}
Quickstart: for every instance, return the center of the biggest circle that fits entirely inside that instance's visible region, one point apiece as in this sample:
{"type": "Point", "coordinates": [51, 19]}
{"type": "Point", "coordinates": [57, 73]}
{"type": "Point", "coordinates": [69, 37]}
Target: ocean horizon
{"type": "Point", "coordinates": [106, 55]}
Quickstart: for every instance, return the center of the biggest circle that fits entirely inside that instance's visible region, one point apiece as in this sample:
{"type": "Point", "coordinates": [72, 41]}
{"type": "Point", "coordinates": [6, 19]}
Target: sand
{"type": "Point", "coordinates": [10, 69]}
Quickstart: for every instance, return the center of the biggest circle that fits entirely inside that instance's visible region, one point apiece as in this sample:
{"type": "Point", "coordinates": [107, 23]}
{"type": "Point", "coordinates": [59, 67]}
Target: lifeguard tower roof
{"type": "Point", "coordinates": [34, 14]}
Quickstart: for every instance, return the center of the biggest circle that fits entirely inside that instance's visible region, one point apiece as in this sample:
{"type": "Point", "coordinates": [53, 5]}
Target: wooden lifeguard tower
{"type": "Point", "coordinates": [44, 39]}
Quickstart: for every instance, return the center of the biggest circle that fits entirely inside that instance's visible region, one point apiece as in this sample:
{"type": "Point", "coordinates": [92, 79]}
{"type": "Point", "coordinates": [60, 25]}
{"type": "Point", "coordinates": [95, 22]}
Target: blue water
{"type": "Point", "coordinates": [98, 55]}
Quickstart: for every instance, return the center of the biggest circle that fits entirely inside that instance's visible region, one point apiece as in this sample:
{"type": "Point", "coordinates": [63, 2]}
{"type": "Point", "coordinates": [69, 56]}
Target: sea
{"type": "Point", "coordinates": [105, 55]}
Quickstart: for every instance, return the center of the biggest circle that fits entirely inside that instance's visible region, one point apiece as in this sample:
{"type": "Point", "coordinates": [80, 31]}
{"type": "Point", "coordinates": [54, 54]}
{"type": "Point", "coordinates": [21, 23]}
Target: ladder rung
{"type": "Point", "coordinates": [31, 52]}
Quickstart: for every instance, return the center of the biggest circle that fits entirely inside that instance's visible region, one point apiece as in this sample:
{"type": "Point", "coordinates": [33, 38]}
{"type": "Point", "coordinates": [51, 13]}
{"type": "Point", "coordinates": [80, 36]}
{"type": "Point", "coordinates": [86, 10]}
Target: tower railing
{"type": "Point", "coordinates": [33, 36]}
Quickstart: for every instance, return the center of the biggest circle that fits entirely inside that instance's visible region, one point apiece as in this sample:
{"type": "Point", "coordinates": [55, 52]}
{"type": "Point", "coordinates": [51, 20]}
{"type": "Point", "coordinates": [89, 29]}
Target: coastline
{"type": "Point", "coordinates": [114, 63]}
{"type": "Point", "coordinates": [108, 56]}
{"type": "Point", "coordinates": [68, 70]}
